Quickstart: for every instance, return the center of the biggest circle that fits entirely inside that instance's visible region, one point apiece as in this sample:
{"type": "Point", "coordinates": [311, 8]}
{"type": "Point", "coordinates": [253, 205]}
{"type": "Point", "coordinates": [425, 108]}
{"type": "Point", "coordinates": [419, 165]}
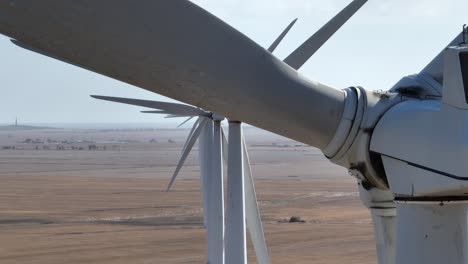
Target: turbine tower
{"type": "Point", "coordinates": [406, 147]}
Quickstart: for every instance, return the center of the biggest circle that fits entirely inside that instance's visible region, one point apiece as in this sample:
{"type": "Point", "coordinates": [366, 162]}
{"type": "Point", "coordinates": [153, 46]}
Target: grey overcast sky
{"type": "Point", "coordinates": [384, 41]}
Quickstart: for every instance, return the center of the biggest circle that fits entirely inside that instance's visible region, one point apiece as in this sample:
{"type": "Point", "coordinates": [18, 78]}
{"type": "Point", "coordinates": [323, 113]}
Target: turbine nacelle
{"type": "Point", "coordinates": [423, 143]}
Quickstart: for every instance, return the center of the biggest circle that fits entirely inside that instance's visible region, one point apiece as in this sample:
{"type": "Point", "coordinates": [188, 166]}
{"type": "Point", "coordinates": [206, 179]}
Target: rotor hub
{"type": "Point", "coordinates": [354, 153]}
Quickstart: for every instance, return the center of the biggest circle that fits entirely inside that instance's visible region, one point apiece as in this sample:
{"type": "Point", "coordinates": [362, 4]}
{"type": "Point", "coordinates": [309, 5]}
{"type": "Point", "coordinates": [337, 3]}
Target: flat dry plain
{"type": "Point", "coordinates": [64, 205]}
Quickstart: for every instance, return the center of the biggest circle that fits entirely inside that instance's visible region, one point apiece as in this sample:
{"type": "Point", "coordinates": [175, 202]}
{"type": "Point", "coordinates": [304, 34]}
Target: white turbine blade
{"type": "Point", "coordinates": [224, 145]}
{"type": "Point", "coordinates": [252, 213]}
{"type": "Point", "coordinates": [236, 225]}
{"type": "Point", "coordinates": [175, 116]}
{"type": "Point", "coordinates": [216, 228]}
{"type": "Point", "coordinates": [205, 159]}
{"type": "Point", "coordinates": [197, 122]}
{"type": "Point", "coordinates": [306, 50]}
{"type": "Point", "coordinates": [281, 36]}
{"type": "Point", "coordinates": [213, 72]}
{"type": "Point", "coordinates": [154, 112]}
{"type": "Point", "coordinates": [30, 48]}
{"type": "Point", "coordinates": [171, 108]}
{"type": "Point", "coordinates": [253, 217]}
{"type": "Point", "coordinates": [188, 119]}
{"type": "Point", "coordinates": [190, 144]}
{"type": "Point", "coordinates": [435, 68]}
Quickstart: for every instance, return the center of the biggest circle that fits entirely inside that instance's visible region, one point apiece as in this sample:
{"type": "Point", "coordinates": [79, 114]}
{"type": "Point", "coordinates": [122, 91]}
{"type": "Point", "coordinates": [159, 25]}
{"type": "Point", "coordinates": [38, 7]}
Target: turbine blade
{"type": "Point", "coordinates": [435, 68]}
{"type": "Point", "coordinates": [197, 122]}
{"type": "Point", "coordinates": [171, 108]}
{"type": "Point", "coordinates": [174, 116]}
{"type": "Point", "coordinates": [302, 54]}
{"type": "Point", "coordinates": [188, 119]}
{"type": "Point", "coordinates": [224, 145]}
{"type": "Point", "coordinates": [281, 36]}
{"type": "Point", "coordinates": [154, 112]}
{"type": "Point", "coordinates": [213, 72]}
{"type": "Point", "coordinates": [32, 49]}
{"type": "Point", "coordinates": [190, 144]}
{"type": "Point", "coordinates": [252, 213]}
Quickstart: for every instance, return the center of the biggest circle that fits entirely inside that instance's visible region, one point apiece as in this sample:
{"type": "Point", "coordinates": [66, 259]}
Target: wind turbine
{"type": "Point", "coordinates": [406, 147]}
{"type": "Point", "coordinates": [213, 145]}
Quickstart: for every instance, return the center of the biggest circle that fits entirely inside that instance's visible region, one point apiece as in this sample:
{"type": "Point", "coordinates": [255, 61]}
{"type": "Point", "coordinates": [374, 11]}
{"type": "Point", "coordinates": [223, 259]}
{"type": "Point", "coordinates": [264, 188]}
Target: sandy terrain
{"type": "Point", "coordinates": [108, 205]}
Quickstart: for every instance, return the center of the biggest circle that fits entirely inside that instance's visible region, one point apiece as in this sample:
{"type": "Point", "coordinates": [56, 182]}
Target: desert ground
{"type": "Point", "coordinates": [96, 196]}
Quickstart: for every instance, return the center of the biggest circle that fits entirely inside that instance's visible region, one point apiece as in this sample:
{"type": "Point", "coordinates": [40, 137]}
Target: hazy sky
{"type": "Point", "coordinates": [384, 41]}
